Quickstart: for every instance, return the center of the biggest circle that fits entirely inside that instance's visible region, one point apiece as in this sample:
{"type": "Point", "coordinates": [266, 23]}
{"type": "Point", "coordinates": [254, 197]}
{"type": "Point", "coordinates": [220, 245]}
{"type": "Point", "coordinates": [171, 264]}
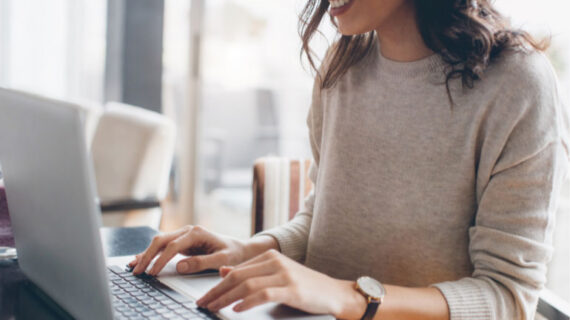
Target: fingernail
{"type": "Point", "coordinates": [190, 266]}
{"type": "Point", "coordinates": [201, 301]}
{"type": "Point", "coordinates": [237, 307]}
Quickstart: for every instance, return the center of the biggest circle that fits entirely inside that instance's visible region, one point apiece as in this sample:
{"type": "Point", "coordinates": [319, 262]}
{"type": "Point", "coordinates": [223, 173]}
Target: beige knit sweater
{"type": "Point", "coordinates": [414, 192]}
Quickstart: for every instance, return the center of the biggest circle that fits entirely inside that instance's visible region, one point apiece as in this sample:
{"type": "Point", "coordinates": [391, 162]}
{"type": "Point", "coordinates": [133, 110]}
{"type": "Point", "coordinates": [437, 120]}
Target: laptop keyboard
{"type": "Point", "coordinates": [144, 297]}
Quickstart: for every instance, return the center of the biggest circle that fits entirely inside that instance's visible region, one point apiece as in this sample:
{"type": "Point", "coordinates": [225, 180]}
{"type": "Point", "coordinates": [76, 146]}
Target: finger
{"type": "Point", "coordinates": [224, 270]}
{"type": "Point", "coordinates": [171, 249]}
{"type": "Point", "coordinates": [158, 242]}
{"type": "Point", "coordinates": [135, 261]}
{"type": "Point", "coordinates": [275, 294]}
{"type": "Point", "coordinates": [267, 255]}
{"type": "Point", "coordinates": [202, 262]}
{"type": "Point", "coordinates": [246, 288]}
{"type": "Point", "coordinates": [234, 279]}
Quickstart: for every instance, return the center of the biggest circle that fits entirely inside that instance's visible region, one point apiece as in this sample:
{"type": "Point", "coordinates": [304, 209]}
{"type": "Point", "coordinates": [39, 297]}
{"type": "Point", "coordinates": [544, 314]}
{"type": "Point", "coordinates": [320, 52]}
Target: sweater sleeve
{"type": "Point", "coordinates": [293, 236]}
{"type": "Point", "coordinates": [510, 242]}
{"type": "Point", "coordinates": [522, 166]}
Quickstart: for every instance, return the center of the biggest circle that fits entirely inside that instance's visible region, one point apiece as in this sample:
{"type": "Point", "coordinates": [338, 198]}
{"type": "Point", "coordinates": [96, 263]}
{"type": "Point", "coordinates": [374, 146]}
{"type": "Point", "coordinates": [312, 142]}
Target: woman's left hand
{"type": "Point", "coordinates": [272, 277]}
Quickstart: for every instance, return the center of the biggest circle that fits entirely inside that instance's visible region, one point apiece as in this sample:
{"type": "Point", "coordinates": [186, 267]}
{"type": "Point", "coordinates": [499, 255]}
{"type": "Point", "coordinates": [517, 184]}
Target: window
{"type": "Point", "coordinates": [56, 48]}
{"type": "Point", "coordinates": [253, 97]}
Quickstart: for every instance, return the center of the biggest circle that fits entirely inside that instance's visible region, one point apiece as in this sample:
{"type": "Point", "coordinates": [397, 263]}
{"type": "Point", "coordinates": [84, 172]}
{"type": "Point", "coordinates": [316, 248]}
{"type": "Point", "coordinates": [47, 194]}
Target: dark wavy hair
{"type": "Point", "coordinates": [467, 34]}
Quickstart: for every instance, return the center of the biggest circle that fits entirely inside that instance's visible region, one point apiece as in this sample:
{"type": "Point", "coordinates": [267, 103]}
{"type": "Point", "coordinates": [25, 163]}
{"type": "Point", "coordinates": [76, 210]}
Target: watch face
{"type": "Point", "coordinates": [371, 287]}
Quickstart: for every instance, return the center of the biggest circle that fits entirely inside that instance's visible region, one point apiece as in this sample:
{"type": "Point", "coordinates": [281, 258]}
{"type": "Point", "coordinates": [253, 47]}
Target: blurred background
{"type": "Point", "coordinates": [227, 72]}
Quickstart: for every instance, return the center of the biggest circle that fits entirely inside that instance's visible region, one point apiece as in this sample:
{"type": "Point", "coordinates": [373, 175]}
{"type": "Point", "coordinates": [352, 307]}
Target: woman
{"type": "Point", "coordinates": [438, 158]}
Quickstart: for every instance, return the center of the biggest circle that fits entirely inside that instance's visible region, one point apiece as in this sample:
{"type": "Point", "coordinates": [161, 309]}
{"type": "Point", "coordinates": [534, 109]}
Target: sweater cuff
{"type": "Point", "coordinates": [466, 299]}
{"type": "Point", "coordinates": [292, 247]}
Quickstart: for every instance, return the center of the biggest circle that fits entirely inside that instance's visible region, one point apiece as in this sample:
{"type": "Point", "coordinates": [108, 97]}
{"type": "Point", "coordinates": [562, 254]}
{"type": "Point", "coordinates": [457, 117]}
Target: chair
{"type": "Point", "coordinates": [279, 186]}
{"type": "Point", "coordinates": [132, 151]}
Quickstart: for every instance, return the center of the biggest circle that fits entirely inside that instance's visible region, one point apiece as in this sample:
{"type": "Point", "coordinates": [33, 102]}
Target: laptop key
{"type": "Point", "coordinates": [182, 311]}
{"type": "Point", "coordinates": [168, 302]}
{"type": "Point", "coordinates": [130, 313]}
{"type": "Point", "coordinates": [137, 294]}
{"type": "Point", "coordinates": [122, 308]}
{"type": "Point", "coordinates": [175, 307]}
{"type": "Point", "coordinates": [190, 305]}
{"type": "Point", "coordinates": [153, 304]}
{"type": "Point", "coordinates": [162, 310]}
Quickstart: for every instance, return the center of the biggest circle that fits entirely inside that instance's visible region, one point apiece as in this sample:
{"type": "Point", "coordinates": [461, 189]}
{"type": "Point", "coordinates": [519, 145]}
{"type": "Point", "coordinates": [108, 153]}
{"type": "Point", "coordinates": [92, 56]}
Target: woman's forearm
{"type": "Point", "coordinates": [399, 303]}
{"type": "Point", "coordinates": [258, 245]}
{"type": "Point", "coordinates": [413, 303]}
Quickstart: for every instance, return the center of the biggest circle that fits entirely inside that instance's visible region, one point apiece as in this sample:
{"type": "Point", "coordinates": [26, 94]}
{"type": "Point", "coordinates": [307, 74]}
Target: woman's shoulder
{"type": "Point", "coordinates": [523, 70]}
{"type": "Point", "coordinates": [526, 95]}
{"type": "Point", "coordinates": [522, 84]}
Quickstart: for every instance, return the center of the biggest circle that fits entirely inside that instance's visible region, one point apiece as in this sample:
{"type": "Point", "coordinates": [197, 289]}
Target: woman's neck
{"type": "Point", "coordinates": [400, 38]}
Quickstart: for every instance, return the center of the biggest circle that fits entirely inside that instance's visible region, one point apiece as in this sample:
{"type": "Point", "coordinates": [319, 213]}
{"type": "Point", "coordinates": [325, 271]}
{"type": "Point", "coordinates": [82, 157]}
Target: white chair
{"type": "Point", "coordinates": [132, 150]}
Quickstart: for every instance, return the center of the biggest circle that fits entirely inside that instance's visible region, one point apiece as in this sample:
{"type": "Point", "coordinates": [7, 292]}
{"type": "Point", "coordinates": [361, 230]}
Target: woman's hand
{"type": "Point", "coordinates": [206, 249]}
{"type": "Point", "coordinates": [272, 277]}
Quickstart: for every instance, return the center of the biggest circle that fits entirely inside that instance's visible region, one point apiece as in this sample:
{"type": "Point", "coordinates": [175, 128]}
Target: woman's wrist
{"type": "Point", "coordinates": [258, 245]}
{"type": "Point", "coordinates": [352, 304]}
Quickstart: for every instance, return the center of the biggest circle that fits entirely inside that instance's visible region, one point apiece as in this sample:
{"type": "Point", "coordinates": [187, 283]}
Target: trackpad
{"type": "Point", "coordinates": [196, 285]}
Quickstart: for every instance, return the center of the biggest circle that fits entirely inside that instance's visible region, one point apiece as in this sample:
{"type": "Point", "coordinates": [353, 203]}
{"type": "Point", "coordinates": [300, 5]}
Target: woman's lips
{"type": "Point", "coordinates": [340, 6]}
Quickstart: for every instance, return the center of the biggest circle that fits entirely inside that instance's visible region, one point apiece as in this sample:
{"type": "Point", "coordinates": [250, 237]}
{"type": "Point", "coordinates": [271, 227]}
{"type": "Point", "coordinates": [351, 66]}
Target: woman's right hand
{"type": "Point", "coordinates": [206, 250]}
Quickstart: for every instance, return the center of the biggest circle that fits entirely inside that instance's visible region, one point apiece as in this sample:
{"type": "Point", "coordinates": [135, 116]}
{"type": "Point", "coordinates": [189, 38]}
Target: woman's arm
{"type": "Point", "coordinates": [413, 303]}
{"type": "Point", "coordinates": [399, 303]}
{"type": "Point", "coordinates": [274, 277]}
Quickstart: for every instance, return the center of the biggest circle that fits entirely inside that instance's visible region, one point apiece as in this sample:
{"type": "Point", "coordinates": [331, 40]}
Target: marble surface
{"type": "Point", "coordinates": [6, 237]}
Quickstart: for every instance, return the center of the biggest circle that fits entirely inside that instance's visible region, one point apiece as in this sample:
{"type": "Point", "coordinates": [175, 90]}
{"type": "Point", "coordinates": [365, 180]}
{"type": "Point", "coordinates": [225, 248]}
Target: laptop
{"type": "Point", "coordinates": [56, 218]}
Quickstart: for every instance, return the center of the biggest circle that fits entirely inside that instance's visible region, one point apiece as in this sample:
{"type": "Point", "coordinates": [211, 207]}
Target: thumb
{"type": "Point", "coordinates": [202, 262]}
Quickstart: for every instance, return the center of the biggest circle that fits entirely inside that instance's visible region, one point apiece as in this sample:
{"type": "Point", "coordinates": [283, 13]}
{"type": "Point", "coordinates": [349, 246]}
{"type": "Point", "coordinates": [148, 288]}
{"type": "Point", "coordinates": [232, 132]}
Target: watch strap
{"type": "Point", "coordinates": [371, 309]}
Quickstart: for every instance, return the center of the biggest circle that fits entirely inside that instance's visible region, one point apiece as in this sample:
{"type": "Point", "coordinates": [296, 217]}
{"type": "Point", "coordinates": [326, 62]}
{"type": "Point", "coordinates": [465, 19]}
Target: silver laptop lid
{"type": "Point", "coordinates": [52, 201]}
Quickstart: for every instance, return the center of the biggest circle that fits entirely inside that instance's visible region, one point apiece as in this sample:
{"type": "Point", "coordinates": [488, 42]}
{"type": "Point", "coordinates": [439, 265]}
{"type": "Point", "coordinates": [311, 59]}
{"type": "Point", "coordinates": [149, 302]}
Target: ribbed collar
{"type": "Point", "coordinates": [427, 66]}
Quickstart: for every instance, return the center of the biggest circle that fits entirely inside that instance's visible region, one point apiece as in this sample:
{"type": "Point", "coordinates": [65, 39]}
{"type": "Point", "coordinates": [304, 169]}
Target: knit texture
{"type": "Point", "coordinates": [415, 192]}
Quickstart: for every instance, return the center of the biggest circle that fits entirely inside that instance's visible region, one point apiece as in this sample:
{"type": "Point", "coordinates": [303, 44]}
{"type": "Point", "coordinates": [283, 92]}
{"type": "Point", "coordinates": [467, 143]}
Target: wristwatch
{"type": "Point", "coordinates": [374, 292]}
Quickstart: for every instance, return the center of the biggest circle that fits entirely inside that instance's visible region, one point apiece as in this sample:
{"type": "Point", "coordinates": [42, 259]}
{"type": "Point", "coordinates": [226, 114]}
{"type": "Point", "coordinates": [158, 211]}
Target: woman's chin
{"type": "Point", "coordinates": [348, 29]}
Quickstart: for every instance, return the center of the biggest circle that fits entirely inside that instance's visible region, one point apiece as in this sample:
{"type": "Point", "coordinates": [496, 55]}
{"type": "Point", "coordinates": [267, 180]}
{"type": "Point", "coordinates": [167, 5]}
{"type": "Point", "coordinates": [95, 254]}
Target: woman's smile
{"type": "Point", "coordinates": [339, 7]}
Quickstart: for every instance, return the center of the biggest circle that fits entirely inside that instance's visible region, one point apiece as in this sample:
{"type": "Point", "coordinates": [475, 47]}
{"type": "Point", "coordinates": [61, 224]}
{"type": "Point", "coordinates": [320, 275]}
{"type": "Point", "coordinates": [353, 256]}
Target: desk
{"type": "Point", "coordinates": [21, 299]}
